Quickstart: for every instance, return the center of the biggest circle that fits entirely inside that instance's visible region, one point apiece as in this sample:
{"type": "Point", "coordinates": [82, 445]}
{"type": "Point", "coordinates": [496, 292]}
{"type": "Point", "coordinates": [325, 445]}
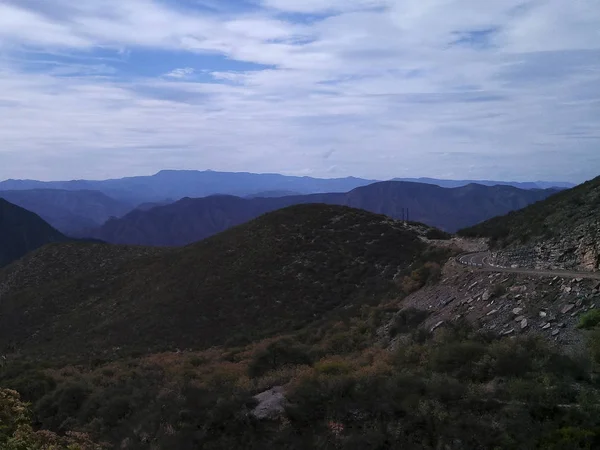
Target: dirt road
{"type": "Point", "coordinates": [483, 261]}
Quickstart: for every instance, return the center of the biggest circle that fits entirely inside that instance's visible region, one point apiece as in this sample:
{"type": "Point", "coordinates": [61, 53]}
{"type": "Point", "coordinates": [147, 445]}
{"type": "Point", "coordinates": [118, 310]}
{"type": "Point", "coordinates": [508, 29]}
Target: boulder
{"type": "Point", "coordinates": [271, 404]}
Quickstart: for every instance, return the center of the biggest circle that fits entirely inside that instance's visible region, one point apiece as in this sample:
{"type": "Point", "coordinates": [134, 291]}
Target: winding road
{"type": "Point", "coordinates": [483, 261]}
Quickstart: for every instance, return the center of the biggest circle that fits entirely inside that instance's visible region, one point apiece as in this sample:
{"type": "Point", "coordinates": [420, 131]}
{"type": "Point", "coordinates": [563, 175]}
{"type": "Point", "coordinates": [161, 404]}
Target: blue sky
{"type": "Point", "coordinates": [501, 89]}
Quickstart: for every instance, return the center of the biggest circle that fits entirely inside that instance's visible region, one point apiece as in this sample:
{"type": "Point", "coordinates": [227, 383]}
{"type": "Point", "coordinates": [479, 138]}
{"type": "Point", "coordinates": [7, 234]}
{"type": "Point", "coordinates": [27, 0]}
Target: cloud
{"type": "Point", "coordinates": [454, 88]}
{"type": "Point", "coordinates": [180, 73]}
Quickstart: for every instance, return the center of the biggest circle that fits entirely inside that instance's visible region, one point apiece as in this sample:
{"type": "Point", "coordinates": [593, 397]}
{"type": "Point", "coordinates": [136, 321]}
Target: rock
{"type": "Point", "coordinates": [579, 302]}
{"type": "Point", "coordinates": [579, 280]}
{"type": "Point", "coordinates": [271, 404]}
{"type": "Point", "coordinates": [524, 324]}
{"type": "Point", "coordinates": [518, 296]}
{"type": "Point", "coordinates": [561, 325]}
{"type": "Point", "coordinates": [565, 309]}
{"type": "Point", "coordinates": [517, 311]}
{"type": "Point", "coordinates": [507, 332]}
{"type": "Point", "coordinates": [486, 296]}
{"type": "Point", "coordinates": [546, 326]}
{"type": "Point", "coordinates": [543, 314]}
{"type": "Point", "coordinates": [568, 289]}
{"type": "Point", "coordinates": [493, 311]}
{"type": "Point", "coordinates": [437, 325]}
{"type": "Point", "coordinates": [555, 332]}
{"type": "Point", "coordinates": [519, 318]}
{"type": "Point", "coordinates": [473, 285]}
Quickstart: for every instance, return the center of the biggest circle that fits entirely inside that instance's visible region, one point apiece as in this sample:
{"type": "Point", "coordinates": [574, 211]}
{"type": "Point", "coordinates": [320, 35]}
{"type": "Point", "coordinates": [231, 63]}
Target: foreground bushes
{"type": "Point", "coordinates": [455, 389]}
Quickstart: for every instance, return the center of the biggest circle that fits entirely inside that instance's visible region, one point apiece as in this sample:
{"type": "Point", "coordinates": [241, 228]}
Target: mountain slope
{"type": "Point", "coordinates": [22, 231]}
{"type": "Point", "coordinates": [274, 274]}
{"type": "Point", "coordinates": [191, 220]}
{"type": "Point", "coordinates": [560, 232]}
{"type": "Point", "coordinates": [71, 212]}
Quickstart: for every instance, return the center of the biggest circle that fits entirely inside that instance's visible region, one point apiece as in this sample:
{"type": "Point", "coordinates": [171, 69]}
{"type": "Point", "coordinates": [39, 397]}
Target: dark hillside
{"type": "Point", "coordinates": [22, 231]}
{"type": "Point", "coordinates": [278, 273]}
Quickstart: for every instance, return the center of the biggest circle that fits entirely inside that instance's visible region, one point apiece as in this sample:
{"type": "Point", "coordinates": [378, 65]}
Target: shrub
{"type": "Point", "coordinates": [407, 320]}
{"type": "Point", "coordinates": [434, 233]}
{"type": "Point", "coordinates": [589, 320]}
{"type": "Point", "coordinates": [280, 353]}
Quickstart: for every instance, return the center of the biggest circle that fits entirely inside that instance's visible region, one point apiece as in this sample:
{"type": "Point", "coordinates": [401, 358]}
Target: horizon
{"type": "Point", "coordinates": [505, 89]}
{"type": "Point", "coordinates": [411, 178]}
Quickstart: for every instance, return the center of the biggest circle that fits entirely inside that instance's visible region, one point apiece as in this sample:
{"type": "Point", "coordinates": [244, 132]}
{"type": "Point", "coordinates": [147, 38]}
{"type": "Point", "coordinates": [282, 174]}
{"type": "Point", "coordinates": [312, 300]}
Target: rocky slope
{"type": "Point", "coordinates": [562, 232]}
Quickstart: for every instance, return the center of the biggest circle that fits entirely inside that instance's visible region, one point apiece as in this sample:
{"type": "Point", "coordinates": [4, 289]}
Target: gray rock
{"type": "Point", "coordinates": [523, 324]}
{"type": "Point", "coordinates": [437, 325]}
{"type": "Point", "coordinates": [543, 314]}
{"type": "Point", "coordinates": [517, 311]}
{"type": "Point", "coordinates": [546, 326]}
{"type": "Point", "coordinates": [519, 318]}
{"type": "Point", "coordinates": [271, 404]}
{"type": "Point", "coordinates": [507, 332]}
{"type": "Point", "coordinates": [565, 309]}
{"type": "Point", "coordinates": [555, 332]}
{"type": "Point", "coordinates": [493, 311]}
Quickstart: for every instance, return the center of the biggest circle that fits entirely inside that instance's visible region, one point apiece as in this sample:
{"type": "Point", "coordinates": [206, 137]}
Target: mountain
{"type": "Point", "coordinates": [190, 220]}
{"type": "Point", "coordinates": [268, 194]}
{"type": "Point", "coordinates": [177, 184]}
{"type": "Point", "coordinates": [22, 231]}
{"type": "Point", "coordinates": [71, 212]}
{"type": "Point", "coordinates": [279, 272]}
{"type": "Point", "coordinates": [517, 184]}
{"type": "Point", "coordinates": [561, 232]}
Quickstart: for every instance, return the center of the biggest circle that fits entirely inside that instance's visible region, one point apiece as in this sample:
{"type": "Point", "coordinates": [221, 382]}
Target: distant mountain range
{"type": "Point", "coordinates": [177, 184]}
{"type": "Point", "coordinates": [69, 211]}
{"type": "Point", "coordinates": [22, 231]}
{"type": "Point", "coordinates": [190, 220]}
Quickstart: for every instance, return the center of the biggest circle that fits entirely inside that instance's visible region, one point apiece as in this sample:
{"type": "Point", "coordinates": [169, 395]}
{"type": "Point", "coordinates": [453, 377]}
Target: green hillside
{"type": "Point", "coordinates": [278, 273]}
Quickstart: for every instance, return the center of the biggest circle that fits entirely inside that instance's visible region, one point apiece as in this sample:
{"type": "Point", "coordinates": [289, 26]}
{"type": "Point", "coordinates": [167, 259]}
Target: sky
{"type": "Point", "coordinates": [458, 89]}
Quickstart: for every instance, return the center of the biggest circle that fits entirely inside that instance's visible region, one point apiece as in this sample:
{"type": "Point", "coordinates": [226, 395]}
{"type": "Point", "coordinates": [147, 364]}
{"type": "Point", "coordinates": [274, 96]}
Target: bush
{"type": "Point", "coordinates": [282, 352]}
{"type": "Point", "coordinates": [435, 233]}
{"type": "Point", "coordinates": [589, 320]}
{"type": "Point", "coordinates": [408, 320]}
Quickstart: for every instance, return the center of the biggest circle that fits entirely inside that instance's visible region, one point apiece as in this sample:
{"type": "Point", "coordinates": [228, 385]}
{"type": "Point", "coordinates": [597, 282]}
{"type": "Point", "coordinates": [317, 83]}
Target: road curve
{"type": "Point", "coordinates": [483, 261]}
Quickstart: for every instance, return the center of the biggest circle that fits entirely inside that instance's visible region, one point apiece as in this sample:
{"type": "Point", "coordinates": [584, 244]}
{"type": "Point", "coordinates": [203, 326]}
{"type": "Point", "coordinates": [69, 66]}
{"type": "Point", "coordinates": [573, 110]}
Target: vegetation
{"type": "Point", "coordinates": [300, 265]}
{"type": "Point", "coordinates": [455, 388]}
{"type": "Point", "coordinates": [553, 217]}
{"type": "Point", "coordinates": [16, 432]}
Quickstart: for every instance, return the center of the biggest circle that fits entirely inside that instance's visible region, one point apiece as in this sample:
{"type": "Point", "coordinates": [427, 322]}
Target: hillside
{"type": "Point", "coordinates": [560, 232]}
{"type": "Point", "coordinates": [277, 273]}
{"type": "Point", "coordinates": [22, 231]}
{"type": "Point", "coordinates": [70, 212]}
{"type": "Point", "coordinates": [191, 220]}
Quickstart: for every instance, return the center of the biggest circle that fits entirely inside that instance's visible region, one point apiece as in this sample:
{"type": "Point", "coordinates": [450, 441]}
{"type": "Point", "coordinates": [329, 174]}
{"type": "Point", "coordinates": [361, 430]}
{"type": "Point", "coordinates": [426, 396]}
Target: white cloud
{"type": "Point", "coordinates": [455, 88]}
{"type": "Point", "coordinates": [180, 73]}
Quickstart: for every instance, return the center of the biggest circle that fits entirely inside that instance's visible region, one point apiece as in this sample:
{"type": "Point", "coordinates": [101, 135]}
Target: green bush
{"type": "Point", "coordinates": [589, 320]}
{"type": "Point", "coordinates": [283, 352]}
{"type": "Point", "coordinates": [408, 320]}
